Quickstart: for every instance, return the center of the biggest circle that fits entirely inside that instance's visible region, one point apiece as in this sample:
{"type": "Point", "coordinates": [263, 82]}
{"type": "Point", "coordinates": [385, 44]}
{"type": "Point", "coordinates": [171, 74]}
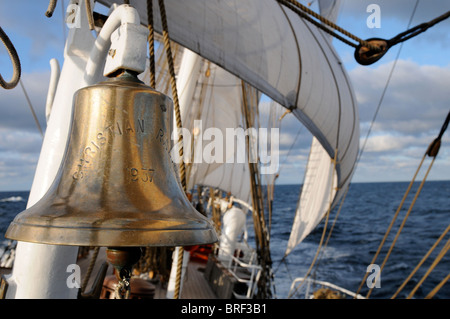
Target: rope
{"type": "Point", "coordinates": [438, 287]}
{"type": "Point", "coordinates": [89, 14]}
{"type": "Point", "coordinates": [179, 126]}
{"type": "Point", "coordinates": [392, 222]}
{"type": "Point", "coordinates": [174, 89]}
{"type": "Point", "coordinates": [408, 34]}
{"type": "Point", "coordinates": [151, 43]}
{"type": "Point", "coordinates": [305, 11]}
{"type": "Point", "coordinates": [431, 151]}
{"type": "Point", "coordinates": [385, 87]}
{"type": "Point", "coordinates": [323, 234]}
{"type": "Point", "coordinates": [290, 149]}
{"type": "Point", "coordinates": [51, 8]}
{"type": "Point", "coordinates": [377, 47]}
{"type": "Point", "coordinates": [403, 223]}
{"type": "Point", "coordinates": [364, 145]}
{"type": "Point", "coordinates": [15, 62]}
{"type": "Point", "coordinates": [332, 226]}
{"type": "Point", "coordinates": [438, 258]}
{"type": "Point", "coordinates": [421, 262]}
{"type": "Point", "coordinates": [31, 108]}
{"type": "Point", "coordinates": [90, 268]}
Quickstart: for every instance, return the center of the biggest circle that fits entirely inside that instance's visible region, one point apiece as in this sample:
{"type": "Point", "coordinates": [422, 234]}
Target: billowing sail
{"type": "Point", "coordinates": [283, 56]}
{"type": "Point", "coordinates": [329, 9]}
{"type": "Point", "coordinates": [317, 195]}
{"type": "Point", "coordinates": [211, 103]}
{"type": "Point", "coordinates": [319, 186]}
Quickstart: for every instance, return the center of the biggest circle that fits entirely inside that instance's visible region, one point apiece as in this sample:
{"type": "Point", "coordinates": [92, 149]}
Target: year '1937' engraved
{"type": "Point", "coordinates": [143, 174]}
{"type": "Point", "coordinates": [119, 128]}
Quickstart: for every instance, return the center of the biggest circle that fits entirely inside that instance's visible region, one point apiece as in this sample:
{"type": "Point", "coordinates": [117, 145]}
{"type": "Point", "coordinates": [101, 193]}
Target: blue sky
{"type": "Point", "coordinates": [415, 105]}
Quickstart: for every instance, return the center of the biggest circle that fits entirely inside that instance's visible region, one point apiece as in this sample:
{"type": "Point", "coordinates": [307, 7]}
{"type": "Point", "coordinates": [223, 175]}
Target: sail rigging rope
{"type": "Point", "coordinates": [15, 62]}
{"type": "Point", "coordinates": [180, 250]}
{"type": "Point", "coordinates": [377, 47]}
{"type": "Point", "coordinates": [151, 43]}
{"type": "Point", "coordinates": [332, 227]}
{"type": "Point", "coordinates": [90, 268]}
{"type": "Point", "coordinates": [438, 258]}
{"type": "Point", "coordinates": [305, 12]}
{"type": "Point", "coordinates": [31, 108]}
{"type": "Point", "coordinates": [402, 224]}
{"type": "Point", "coordinates": [51, 8]}
{"type": "Point", "coordinates": [431, 151]}
{"type": "Point", "coordinates": [421, 262]}
{"type": "Point", "coordinates": [385, 87]}
{"type": "Point", "coordinates": [327, 215]}
{"type": "Point", "coordinates": [89, 14]}
{"type": "Point", "coordinates": [364, 145]}
{"type": "Point", "coordinates": [438, 287]}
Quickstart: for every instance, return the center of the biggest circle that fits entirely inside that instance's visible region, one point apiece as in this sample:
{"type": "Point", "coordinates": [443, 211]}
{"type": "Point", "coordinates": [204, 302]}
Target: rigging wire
{"type": "Point", "coordinates": [290, 149]}
{"type": "Point", "coordinates": [305, 13]}
{"type": "Point", "coordinates": [63, 15]}
{"type": "Point", "coordinates": [368, 51]}
{"type": "Point", "coordinates": [31, 108]}
{"type": "Point", "coordinates": [367, 137]}
{"type": "Point", "coordinates": [432, 151]}
{"type": "Point", "coordinates": [182, 172]}
{"type": "Point", "coordinates": [151, 43]}
{"type": "Point", "coordinates": [327, 215]}
{"type": "Point", "coordinates": [438, 287]}
{"type": "Point", "coordinates": [385, 87]}
{"type": "Point", "coordinates": [421, 262]}
{"type": "Point", "coordinates": [438, 258]}
{"type": "Point", "coordinates": [402, 224]}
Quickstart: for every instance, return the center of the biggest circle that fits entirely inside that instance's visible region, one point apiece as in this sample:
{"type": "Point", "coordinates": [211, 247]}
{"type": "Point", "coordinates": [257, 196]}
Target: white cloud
{"type": "Point", "coordinates": [20, 139]}
{"type": "Point", "coordinates": [416, 101]}
{"type": "Point", "coordinates": [389, 142]}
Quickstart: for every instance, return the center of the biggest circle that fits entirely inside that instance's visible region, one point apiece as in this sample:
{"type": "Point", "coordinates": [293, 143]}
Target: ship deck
{"type": "Point", "coordinates": [195, 285]}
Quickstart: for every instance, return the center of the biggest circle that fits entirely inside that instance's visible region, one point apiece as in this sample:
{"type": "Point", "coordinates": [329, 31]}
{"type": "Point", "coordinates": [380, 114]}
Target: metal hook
{"type": "Point", "coordinates": [15, 61]}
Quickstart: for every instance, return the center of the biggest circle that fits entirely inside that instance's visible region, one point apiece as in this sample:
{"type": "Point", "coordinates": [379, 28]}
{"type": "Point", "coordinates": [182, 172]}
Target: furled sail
{"type": "Point", "coordinates": [283, 56]}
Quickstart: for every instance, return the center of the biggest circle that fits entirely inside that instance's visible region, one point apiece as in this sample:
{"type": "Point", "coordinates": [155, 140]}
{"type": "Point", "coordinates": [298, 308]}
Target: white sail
{"type": "Point", "coordinates": [319, 187]}
{"type": "Point", "coordinates": [329, 9]}
{"type": "Point", "coordinates": [211, 102]}
{"type": "Point", "coordinates": [317, 194]}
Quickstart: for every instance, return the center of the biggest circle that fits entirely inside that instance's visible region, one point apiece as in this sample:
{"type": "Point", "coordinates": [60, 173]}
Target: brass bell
{"type": "Point", "coordinates": [117, 185]}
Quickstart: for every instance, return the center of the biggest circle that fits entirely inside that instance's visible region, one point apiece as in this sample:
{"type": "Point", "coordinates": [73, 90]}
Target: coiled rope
{"type": "Point", "coordinates": [15, 62]}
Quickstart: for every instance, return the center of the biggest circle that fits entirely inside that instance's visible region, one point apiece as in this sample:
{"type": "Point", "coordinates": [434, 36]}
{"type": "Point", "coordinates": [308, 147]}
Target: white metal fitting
{"type": "Point", "coordinates": [128, 49]}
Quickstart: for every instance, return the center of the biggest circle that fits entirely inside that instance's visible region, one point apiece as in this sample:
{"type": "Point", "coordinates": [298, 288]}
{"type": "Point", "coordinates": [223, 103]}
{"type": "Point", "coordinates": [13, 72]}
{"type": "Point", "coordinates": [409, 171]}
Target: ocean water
{"type": "Point", "coordinates": [363, 221]}
{"type": "Point", "coordinates": [365, 216]}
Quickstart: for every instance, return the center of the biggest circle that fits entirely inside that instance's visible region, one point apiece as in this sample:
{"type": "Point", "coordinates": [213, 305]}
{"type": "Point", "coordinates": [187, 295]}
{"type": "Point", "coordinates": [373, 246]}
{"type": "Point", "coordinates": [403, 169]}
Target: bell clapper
{"type": "Point", "coordinates": [123, 259]}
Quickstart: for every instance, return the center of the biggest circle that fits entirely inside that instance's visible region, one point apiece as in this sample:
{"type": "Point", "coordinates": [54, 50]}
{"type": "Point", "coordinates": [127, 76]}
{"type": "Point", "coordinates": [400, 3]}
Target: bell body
{"type": "Point", "coordinates": [117, 185]}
